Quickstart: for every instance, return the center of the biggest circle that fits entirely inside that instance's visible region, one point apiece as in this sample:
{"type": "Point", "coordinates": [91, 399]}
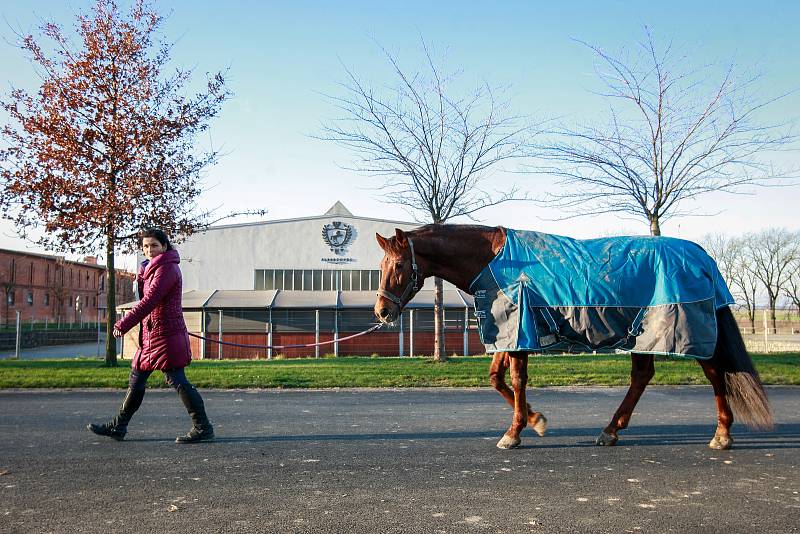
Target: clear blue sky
{"type": "Point", "coordinates": [284, 55]}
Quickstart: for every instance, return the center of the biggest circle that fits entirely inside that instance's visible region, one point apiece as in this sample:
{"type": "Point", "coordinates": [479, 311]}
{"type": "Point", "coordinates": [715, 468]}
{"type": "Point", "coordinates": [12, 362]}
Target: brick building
{"type": "Point", "coordinates": [45, 287]}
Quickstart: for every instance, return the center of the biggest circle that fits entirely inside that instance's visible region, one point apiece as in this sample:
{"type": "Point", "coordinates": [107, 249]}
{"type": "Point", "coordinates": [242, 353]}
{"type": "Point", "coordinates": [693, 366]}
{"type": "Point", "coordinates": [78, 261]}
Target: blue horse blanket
{"type": "Point", "coordinates": [649, 295]}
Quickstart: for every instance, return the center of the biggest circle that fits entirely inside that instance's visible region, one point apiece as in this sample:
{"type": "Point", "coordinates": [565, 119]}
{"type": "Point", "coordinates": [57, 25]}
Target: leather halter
{"type": "Point", "coordinates": [412, 283]}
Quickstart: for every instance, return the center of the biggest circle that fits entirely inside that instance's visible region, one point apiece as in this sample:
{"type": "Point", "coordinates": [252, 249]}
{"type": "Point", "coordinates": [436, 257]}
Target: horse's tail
{"type": "Point", "coordinates": [743, 388]}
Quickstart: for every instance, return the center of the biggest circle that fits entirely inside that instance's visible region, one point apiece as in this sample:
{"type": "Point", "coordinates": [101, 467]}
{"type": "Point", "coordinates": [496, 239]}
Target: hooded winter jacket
{"type": "Point", "coordinates": [164, 338]}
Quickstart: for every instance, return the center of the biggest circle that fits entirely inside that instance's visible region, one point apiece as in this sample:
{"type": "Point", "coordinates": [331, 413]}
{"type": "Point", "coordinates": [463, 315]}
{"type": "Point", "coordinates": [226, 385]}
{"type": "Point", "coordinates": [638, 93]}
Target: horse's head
{"type": "Point", "coordinates": [400, 276]}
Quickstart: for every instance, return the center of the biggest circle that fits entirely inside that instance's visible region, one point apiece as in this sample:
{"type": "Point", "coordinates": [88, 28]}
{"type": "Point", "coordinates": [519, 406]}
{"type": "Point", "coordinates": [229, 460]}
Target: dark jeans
{"type": "Point", "coordinates": [175, 378]}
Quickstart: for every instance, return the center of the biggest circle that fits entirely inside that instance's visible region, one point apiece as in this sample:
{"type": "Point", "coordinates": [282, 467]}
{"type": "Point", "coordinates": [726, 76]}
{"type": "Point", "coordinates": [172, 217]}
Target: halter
{"type": "Point", "coordinates": [412, 284]}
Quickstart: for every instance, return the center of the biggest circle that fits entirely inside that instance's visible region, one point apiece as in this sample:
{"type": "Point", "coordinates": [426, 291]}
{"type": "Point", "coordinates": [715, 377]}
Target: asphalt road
{"type": "Point", "coordinates": [416, 460]}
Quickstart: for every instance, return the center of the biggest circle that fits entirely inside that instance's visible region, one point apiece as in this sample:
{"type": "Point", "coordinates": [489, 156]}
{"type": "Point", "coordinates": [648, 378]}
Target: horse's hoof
{"type": "Point", "coordinates": [721, 443]}
{"type": "Point", "coordinates": [507, 442]}
{"type": "Point", "coordinates": [606, 440]}
{"type": "Point", "coordinates": [540, 425]}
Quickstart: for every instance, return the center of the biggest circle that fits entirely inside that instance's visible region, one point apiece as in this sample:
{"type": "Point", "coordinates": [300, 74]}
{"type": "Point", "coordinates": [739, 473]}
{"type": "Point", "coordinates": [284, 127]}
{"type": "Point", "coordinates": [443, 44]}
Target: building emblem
{"type": "Point", "coordinates": [338, 236]}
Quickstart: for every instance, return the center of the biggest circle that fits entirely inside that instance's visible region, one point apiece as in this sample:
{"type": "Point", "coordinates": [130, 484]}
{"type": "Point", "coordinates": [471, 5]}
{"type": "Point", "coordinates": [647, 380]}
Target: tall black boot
{"type": "Point", "coordinates": [201, 427]}
{"type": "Point", "coordinates": [118, 426]}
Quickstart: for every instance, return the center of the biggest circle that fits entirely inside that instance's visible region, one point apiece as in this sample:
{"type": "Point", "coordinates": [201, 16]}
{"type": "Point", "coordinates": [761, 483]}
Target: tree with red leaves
{"type": "Point", "coordinates": [106, 145]}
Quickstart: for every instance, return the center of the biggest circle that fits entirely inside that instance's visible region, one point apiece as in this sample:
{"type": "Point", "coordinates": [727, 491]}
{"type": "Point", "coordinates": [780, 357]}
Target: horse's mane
{"type": "Point", "coordinates": [439, 231]}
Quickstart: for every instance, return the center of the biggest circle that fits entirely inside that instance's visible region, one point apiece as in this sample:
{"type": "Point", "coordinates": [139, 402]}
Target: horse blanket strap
{"type": "Point", "coordinates": [650, 295]}
{"type": "Point", "coordinates": [411, 287]}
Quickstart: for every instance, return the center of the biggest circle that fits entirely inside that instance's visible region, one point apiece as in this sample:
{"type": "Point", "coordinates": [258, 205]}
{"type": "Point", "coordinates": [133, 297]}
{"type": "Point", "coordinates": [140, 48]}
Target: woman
{"type": "Point", "coordinates": [164, 340]}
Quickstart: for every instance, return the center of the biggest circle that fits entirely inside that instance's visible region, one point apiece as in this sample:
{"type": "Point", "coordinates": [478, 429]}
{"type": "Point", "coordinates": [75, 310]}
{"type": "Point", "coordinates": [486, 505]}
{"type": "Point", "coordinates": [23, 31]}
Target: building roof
{"type": "Point", "coordinates": [240, 299]}
{"type": "Point", "coordinates": [337, 210]}
{"type": "Point", "coordinates": [59, 258]}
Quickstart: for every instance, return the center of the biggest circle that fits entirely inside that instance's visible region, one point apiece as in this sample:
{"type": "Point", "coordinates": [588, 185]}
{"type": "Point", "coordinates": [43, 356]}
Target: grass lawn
{"type": "Point", "coordinates": [561, 370]}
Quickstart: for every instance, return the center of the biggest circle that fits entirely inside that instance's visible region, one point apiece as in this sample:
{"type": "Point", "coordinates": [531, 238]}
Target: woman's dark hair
{"type": "Point", "coordinates": [156, 234]}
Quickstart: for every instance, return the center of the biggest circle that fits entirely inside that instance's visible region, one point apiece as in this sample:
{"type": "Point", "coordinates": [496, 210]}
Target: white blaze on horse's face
{"type": "Point", "coordinates": [396, 277]}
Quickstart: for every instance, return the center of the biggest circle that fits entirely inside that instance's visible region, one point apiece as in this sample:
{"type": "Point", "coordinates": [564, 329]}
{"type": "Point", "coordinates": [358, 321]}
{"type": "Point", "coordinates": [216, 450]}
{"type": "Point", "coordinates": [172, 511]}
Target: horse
{"type": "Point", "coordinates": [462, 254]}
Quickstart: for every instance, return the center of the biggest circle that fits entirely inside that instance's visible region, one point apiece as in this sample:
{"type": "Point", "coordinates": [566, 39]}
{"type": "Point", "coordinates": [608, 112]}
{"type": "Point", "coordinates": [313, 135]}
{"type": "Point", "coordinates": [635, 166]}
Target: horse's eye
{"type": "Point", "coordinates": [399, 265]}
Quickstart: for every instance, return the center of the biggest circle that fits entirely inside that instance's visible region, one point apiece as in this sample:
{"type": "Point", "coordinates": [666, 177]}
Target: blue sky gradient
{"type": "Point", "coordinates": [283, 57]}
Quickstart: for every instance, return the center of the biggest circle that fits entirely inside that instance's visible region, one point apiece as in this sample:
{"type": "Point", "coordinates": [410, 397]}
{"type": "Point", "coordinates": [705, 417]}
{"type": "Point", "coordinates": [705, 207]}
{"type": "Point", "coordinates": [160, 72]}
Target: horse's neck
{"type": "Point", "coordinates": [458, 256]}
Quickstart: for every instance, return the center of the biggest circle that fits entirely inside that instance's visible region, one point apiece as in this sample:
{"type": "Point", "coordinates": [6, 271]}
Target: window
{"type": "Point", "coordinates": [317, 280]}
{"type": "Point", "coordinates": [47, 299]}
{"type": "Point", "coordinates": [375, 280]}
{"type": "Point", "coordinates": [258, 280]}
{"type": "Point", "coordinates": [10, 298]}
{"type": "Point", "coordinates": [298, 279]}
{"type": "Point", "coordinates": [365, 281]}
{"type": "Point", "coordinates": [29, 298]}
{"type": "Point", "coordinates": [269, 279]}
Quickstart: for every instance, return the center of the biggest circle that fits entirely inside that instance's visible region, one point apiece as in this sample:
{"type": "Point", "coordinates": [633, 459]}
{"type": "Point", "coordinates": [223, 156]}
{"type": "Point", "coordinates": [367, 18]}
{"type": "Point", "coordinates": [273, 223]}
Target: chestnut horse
{"type": "Point", "coordinates": [458, 253]}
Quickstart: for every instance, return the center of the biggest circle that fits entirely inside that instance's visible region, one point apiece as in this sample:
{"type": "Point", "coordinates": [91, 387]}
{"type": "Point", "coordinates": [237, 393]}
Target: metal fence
{"type": "Point", "coordinates": [411, 335]}
{"type": "Point", "coordinates": [36, 335]}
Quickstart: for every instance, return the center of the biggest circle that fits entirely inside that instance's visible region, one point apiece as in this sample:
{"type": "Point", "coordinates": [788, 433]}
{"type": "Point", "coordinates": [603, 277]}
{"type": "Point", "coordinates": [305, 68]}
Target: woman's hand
{"type": "Point", "coordinates": [117, 332]}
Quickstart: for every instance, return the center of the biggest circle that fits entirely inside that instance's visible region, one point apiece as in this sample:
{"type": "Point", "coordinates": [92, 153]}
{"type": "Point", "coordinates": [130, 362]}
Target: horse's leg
{"type": "Point", "coordinates": [519, 381]}
{"type": "Point", "coordinates": [497, 377]}
{"type": "Point", "coordinates": [722, 437]}
{"type": "Point", "coordinates": [642, 370]}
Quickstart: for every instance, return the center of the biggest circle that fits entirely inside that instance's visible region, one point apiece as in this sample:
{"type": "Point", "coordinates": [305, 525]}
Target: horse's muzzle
{"type": "Point", "coordinates": [386, 312]}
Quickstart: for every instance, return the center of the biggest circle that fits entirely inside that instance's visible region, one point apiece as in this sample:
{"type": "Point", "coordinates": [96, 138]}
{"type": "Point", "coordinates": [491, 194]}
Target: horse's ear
{"type": "Point", "coordinates": [400, 237]}
{"type": "Point", "coordinates": [382, 241]}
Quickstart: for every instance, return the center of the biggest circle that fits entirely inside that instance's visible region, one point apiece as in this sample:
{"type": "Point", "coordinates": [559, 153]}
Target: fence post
{"type": "Point", "coordinates": [269, 336]}
{"type": "Point", "coordinates": [219, 336]}
{"type": "Point", "coordinates": [766, 335]}
{"type": "Point", "coordinates": [400, 334]}
{"type": "Point", "coordinates": [98, 331]}
{"type": "Point", "coordinates": [19, 336]}
{"type": "Point", "coordinates": [122, 341]}
{"type": "Point", "coordinates": [202, 333]}
{"type": "Point", "coordinates": [336, 332]}
{"type": "Point", "coordinates": [466, 331]}
{"type": "Point", "coordinates": [410, 333]}
{"type": "Point", "coordinates": [316, 334]}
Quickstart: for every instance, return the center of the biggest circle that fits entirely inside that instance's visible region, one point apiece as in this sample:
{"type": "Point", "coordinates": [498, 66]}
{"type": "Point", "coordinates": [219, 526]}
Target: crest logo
{"type": "Point", "coordinates": [337, 235]}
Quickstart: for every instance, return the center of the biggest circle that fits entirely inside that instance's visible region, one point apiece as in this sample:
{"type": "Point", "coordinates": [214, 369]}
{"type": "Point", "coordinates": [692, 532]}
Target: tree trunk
{"type": "Point", "coordinates": [772, 317]}
{"type": "Point", "coordinates": [655, 227]}
{"type": "Point", "coordinates": [439, 353]}
{"type": "Point", "coordinates": [111, 301]}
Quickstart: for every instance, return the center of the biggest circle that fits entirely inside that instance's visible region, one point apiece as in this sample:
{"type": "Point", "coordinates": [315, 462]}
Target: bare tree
{"type": "Point", "coordinates": [792, 289]}
{"type": "Point", "coordinates": [673, 133]}
{"type": "Point", "coordinates": [432, 145]}
{"type": "Point", "coordinates": [772, 254]}
{"type": "Point", "coordinates": [733, 258]}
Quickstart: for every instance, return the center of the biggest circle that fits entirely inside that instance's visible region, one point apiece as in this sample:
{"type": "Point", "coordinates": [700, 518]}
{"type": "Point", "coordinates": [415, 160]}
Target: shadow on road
{"type": "Point", "coordinates": [784, 437]}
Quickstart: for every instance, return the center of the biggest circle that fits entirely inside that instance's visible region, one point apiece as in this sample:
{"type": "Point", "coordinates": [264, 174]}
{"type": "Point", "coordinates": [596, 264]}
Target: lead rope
{"type": "Point", "coordinates": [297, 346]}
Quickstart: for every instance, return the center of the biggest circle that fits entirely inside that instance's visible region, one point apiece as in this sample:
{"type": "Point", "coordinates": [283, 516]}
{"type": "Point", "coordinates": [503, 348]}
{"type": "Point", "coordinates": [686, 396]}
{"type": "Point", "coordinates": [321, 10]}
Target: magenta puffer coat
{"type": "Point", "coordinates": [164, 338]}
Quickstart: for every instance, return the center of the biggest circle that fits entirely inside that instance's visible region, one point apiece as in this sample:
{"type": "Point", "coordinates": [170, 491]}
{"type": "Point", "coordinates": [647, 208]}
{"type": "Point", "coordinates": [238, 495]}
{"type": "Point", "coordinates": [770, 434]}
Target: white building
{"type": "Point", "coordinates": [334, 251]}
